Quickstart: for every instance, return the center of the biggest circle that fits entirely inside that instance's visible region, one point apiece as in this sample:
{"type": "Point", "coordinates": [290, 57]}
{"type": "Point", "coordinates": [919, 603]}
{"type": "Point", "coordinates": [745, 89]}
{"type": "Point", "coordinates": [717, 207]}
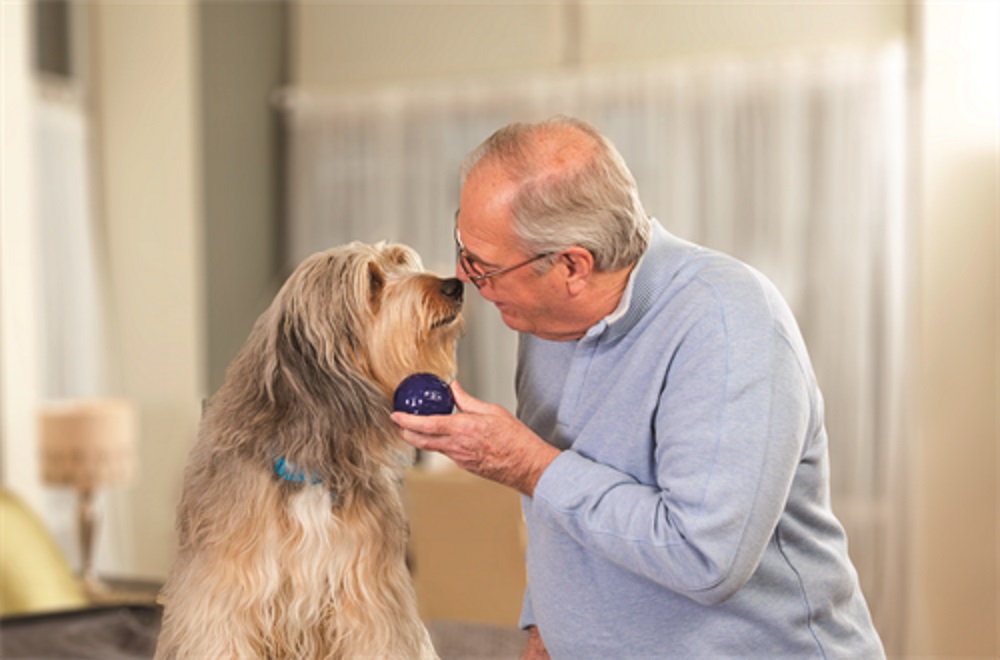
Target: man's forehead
{"type": "Point", "coordinates": [483, 236]}
{"type": "Point", "coordinates": [486, 198]}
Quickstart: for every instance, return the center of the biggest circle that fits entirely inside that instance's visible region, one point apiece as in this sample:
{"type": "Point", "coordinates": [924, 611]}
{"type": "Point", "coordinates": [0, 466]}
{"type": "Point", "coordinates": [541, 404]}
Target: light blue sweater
{"type": "Point", "coordinates": [689, 515]}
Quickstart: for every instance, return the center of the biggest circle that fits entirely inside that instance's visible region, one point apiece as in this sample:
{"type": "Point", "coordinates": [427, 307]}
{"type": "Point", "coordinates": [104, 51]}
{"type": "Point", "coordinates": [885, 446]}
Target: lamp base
{"type": "Point", "coordinates": [87, 529]}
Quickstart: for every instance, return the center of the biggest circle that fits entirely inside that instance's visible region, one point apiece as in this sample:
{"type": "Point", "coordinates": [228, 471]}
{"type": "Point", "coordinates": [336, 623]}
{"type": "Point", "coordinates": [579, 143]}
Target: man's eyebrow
{"type": "Point", "coordinates": [482, 262]}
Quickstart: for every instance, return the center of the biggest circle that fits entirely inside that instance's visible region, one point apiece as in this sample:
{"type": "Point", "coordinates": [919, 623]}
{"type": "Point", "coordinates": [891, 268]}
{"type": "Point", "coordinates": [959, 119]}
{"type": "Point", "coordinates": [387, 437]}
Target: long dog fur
{"type": "Point", "coordinates": [273, 568]}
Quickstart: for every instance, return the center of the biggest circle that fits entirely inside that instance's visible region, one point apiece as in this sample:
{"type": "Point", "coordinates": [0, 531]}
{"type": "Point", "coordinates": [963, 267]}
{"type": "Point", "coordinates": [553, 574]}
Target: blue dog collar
{"type": "Point", "coordinates": [289, 472]}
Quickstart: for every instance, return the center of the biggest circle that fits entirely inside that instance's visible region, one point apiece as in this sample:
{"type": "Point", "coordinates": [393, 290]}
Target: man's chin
{"type": "Point", "coordinates": [513, 321]}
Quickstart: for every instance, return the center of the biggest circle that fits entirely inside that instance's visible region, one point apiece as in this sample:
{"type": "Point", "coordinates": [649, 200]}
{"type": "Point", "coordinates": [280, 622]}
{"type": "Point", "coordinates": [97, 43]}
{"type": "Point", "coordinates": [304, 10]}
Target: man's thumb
{"type": "Point", "coordinates": [464, 401]}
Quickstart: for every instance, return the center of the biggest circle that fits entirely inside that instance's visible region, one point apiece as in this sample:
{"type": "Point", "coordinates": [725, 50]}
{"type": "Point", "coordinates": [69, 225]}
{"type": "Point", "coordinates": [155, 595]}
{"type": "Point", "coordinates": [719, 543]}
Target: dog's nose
{"type": "Point", "coordinates": [452, 288]}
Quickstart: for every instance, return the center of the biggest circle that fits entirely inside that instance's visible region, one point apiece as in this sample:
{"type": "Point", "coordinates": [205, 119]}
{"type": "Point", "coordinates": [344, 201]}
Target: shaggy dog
{"type": "Point", "coordinates": [291, 526]}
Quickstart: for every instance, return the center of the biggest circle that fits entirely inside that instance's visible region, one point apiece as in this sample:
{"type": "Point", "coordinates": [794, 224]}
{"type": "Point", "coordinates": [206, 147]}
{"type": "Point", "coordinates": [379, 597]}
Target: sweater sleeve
{"type": "Point", "coordinates": [728, 433]}
{"type": "Point", "coordinates": [527, 612]}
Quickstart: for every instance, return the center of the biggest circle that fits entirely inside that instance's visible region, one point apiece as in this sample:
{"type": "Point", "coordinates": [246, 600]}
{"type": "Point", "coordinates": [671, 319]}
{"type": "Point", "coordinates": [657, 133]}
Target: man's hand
{"type": "Point", "coordinates": [535, 648]}
{"type": "Point", "coordinates": [482, 438]}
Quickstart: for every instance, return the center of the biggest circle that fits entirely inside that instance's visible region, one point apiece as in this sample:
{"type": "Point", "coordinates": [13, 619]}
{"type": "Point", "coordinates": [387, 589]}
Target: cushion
{"type": "Point", "coordinates": [34, 573]}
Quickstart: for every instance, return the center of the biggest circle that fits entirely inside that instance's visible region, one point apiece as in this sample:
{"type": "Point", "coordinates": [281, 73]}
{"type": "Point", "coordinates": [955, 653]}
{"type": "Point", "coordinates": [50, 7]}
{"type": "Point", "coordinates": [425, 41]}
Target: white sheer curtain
{"type": "Point", "coordinates": [74, 359]}
{"type": "Point", "coordinates": [796, 166]}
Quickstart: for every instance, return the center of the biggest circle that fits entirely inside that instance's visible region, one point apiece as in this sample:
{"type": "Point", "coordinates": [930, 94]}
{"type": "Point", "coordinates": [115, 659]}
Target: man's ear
{"type": "Point", "coordinates": [578, 264]}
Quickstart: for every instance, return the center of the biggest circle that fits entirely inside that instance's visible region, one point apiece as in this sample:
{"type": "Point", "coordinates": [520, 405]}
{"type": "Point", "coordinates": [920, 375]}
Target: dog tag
{"type": "Point", "coordinates": [423, 394]}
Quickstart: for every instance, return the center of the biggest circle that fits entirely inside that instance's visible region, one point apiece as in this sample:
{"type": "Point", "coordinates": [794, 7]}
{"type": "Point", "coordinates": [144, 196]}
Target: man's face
{"type": "Point", "coordinates": [528, 301]}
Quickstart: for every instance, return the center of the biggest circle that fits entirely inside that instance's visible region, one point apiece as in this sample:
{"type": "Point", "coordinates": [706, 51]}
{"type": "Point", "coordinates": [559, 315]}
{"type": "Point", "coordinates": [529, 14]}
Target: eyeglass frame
{"type": "Point", "coordinates": [469, 267]}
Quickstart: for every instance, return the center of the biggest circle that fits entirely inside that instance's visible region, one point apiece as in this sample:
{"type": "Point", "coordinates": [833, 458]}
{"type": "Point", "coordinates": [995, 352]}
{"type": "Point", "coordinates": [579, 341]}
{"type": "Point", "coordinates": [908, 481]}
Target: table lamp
{"type": "Point", "coordinates": [87, 445]}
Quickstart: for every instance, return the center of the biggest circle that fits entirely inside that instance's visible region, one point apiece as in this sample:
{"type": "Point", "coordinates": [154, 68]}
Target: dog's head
{"type": "Point", "coordinates": [324, 359]}
{"type": "Point", "coordinates": [369, 310]}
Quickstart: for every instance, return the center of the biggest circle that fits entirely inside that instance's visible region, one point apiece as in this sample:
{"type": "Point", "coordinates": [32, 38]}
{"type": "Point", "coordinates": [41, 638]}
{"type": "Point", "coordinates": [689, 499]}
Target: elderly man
{"type": "Point", "coordinates": [669, 440]}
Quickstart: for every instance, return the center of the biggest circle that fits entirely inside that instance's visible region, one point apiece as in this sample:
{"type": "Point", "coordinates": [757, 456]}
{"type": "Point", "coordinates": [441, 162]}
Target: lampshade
{"type": "Point", "coordinates": [87, 444]}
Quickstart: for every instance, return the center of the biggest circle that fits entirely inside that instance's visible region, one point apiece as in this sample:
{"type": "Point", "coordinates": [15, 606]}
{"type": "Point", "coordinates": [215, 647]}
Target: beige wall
{"type": "Point", "coordinates": [957, 499]}
{"type": "Point", "coordinates": [241, 63]}
{"type": "Point", "coordinates": [364, 44]}
{"type": "Point", "coordinates": [146, 96]}
{"type": "Point", "coordinates": [340, 45]}
{"type": "Point", "coordinates": [653, 31]}
{"type": "Point", "coordinates": [19, 373]}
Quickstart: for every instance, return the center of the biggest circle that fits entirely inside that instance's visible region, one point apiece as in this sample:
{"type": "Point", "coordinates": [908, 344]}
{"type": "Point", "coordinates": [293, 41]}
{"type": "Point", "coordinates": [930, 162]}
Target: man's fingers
{"type": "Point", "coordinates": [418, 440]}
{"type": "Point", "coordinates": [425, 424]}
{"type": "Point", "coordinates": [425, 433]}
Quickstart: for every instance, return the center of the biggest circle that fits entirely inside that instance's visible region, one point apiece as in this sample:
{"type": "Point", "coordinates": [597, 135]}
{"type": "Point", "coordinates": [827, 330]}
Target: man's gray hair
{"type": "Point", "coordinates": [574, 188]}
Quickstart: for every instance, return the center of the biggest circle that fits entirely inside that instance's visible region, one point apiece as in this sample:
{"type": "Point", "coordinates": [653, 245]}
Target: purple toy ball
{"type": "Point", "coordinates": [423, 394]}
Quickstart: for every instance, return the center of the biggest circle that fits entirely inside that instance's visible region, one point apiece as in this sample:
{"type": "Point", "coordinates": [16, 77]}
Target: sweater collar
{"type": "Point", "coordinates": [662, 260]}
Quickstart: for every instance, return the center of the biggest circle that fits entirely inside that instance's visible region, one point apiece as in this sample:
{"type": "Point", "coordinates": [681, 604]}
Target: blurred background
{"type": "Point", "coordinates": [165, 165]}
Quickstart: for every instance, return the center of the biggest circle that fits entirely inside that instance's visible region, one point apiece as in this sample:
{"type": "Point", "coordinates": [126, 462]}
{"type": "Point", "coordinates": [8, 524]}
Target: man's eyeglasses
{"type": "Point", "coordinates": [475, 272]}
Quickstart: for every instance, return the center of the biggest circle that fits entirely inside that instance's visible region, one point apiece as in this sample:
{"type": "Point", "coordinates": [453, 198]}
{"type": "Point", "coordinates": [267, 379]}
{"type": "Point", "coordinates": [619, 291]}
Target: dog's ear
{"type": "Point", "coordinates": [376, 283]}
{"type": "Point", "coordinates": [401, 256]}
